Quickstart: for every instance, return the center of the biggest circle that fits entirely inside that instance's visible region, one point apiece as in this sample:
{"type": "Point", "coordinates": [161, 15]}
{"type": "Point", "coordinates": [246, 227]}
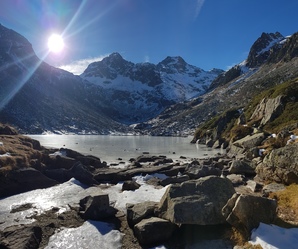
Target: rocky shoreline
{"type": "Point", "coordinates": [219, 197]}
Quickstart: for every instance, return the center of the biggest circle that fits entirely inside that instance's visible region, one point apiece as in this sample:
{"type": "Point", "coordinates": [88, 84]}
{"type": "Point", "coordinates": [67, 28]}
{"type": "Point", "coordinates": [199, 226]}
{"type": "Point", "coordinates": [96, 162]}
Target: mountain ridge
{"type": "Point", "coordinates": [149, 87]}
{"type": "Point", "coordinates": [232, 89]}
{"type": "Point", "coordinates": [168, 98]}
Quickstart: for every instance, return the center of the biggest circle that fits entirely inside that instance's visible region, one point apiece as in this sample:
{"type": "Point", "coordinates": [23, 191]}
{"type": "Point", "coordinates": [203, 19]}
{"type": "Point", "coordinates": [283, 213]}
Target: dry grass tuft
{"type": "Point", "coordinates": [241, 240]}
{"type": "Point", "coordinates": [287, 202]}
{"type": "Point", "coordinates": [18, 151]}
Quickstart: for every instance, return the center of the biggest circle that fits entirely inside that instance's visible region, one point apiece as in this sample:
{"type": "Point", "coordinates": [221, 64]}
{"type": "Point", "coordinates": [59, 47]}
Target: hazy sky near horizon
{"type": "Point", "coordinates": [205, 33]}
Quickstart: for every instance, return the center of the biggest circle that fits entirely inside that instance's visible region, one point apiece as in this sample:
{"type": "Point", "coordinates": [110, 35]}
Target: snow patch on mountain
{"type": "Point", "coordinates": [141, 91]}
{"type": "Point", "coordinates": [273, 39]}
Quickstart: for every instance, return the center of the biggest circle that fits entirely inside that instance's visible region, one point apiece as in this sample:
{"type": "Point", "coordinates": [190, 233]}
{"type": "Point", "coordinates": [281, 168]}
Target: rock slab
{"type": "Point", "coordinates": [245, 212]}
{"type": "Point", "coordinates": [153, 230]}
{"type": "Point", "coordinates": [197, 202]}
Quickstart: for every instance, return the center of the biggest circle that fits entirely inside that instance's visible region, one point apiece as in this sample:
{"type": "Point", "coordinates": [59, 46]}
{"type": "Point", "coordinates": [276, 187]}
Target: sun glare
{"type": "Point", "coordinates": [55, 43]}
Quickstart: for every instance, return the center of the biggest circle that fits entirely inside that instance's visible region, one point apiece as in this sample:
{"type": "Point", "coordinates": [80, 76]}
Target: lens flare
{"type": "Point", "coordinates": [55, 43]}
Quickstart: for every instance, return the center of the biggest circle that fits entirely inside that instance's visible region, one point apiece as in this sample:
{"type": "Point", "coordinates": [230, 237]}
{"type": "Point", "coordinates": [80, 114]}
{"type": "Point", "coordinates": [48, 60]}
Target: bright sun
{"type": "Point", "coordinates": [55, 43]}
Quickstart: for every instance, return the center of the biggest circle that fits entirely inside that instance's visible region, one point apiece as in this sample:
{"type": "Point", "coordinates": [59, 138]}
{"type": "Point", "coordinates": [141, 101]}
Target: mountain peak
{"type": "Point", "coordinates": [108, 67]}
{"type": "Point", "coordinates": [172, 64]}
{"type": "Point", "coordinates": [170, 60]}
{"type": "Point", "coordinates": [115, 56]}
{"type": "Point", "coordinates": [260, 50]}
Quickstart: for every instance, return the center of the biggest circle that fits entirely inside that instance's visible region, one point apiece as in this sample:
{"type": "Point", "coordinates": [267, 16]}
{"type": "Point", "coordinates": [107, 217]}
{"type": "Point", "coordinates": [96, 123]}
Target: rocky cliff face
{"type": "Point", "coordinates": [264, 48]}
{"type": "Point", "coordinates": [137, 92]}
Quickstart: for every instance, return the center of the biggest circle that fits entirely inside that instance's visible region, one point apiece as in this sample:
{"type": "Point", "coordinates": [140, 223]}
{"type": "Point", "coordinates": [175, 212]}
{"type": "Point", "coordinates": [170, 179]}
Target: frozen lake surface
{"type": "Point", "coordinates": [110, 148]}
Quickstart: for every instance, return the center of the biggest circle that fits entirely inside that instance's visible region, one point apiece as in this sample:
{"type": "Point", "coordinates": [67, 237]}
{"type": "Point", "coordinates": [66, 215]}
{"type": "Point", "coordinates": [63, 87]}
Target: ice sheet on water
{"type": "Point", "coordinates": [92, 234]}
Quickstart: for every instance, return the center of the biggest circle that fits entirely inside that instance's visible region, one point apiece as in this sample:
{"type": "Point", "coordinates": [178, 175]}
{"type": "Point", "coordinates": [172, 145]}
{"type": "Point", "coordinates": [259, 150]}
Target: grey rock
{"type": "Point", "coordinates": [140, 211]}
{"type": "Point", "coordinates": [243, 167]}
{"type": "Point", "coordinates": [272, 187]}
{"type": "Point", "coordinates": [59, 175]}
{"type": "Point", "coordinates": [196, 201]}
{"type": "Point", "coordinates": [236, 179]}
{"type": "Point", "coordinates": [245, 212]}
{"type": "Point", "coordinates": [173, 180]}
{"type": "Point", "coordinates": [81, 173]}
{"type": "Point", "coordinates": [96, 207]}
{"type": "Point", "coordinates": [22, 180]}
{"type": "Point", "coordinates": [252, 185]}
{"type": "Point", "coordinates": [58, 162]}
{"type": "Point", "coordinates": [153, 230]}
{"type": "Point", "coordinates": [280, 165]}
{"type": "Point", "coordinates": [210, 142]}
{"type": "Point", "coordinates": [268, 109]}
{"type": "Point", "coordinates": [250, 141]}
{"type": "Point", "coordinates": [130, 185]}
{"type": "Point", "coordinates": [21, 237]}
{"type": "Point", "coordinates": [196, 171]}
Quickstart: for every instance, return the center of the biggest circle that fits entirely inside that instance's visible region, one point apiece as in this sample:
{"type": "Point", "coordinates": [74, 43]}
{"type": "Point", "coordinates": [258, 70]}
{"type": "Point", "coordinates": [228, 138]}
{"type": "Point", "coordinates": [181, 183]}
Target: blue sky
{"type": "Point", "coordinates": [206, 33]}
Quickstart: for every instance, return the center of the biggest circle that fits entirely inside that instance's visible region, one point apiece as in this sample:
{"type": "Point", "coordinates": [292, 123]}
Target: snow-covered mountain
{"type": "Point", "coordinates": [272, 60]}
{"type": "Point", "coordinates": [265, 46]}
{"type": "Point", "coordinates": [137, 92]}
{"type": "Point", "coordinates": [36, 97]}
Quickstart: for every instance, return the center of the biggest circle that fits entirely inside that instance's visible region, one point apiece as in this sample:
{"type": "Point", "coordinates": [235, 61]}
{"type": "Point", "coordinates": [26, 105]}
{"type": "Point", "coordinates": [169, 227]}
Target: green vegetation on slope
{"type": "Point", "coordinates": [289, 92]}
{"type": "Point", "coordinates": [226, 126]}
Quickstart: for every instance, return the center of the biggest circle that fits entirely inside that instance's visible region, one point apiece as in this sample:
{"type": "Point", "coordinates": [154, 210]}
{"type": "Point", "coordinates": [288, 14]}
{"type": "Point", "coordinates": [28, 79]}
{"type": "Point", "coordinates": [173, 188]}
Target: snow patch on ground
{"type": "Point", "coordinates": [274, 237]}
{"type": "Point", "coordinates": [146, 192]}
{"type": "Point", "coordinates": [5, 154]}
{"type": "Point", "coordinates": [92, 234]}
{"type": "Point", "coordinates": [41, 200]}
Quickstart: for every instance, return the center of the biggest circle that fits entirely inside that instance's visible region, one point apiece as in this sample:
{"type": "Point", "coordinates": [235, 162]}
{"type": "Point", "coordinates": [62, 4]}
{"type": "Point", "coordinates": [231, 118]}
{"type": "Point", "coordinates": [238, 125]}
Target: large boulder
{"type": "Point", "coordinates": [174, 179]}
{"type": "Point", "coordinates": [22, 180]}
{"type": "Point", "coordinates": [130, 185]}
{"type": "Point", "coordinates": [153, 230]}
{"type": "Point", "coordinates": [7, 130]}
{"type": "Point", "coordinates": [60, 161]}
{"type": "Point", "coordinates": [60, 175]}
{"type": "Point", "coordinates": [245, 212]}
{"type": "Point", "coordinates": [96, 207]}
{"type": "Point", "coordinates": [140, 211]}
{"type": "Point", "coordinates": [250, 141]}
{"type": "Point", "coordinates": [81, 173]}
{"type": "Point", "coordinates": [197, 201]}
{"type": "Point", "coordinates": [21, 237]}
{"type": "Point", "coordinates": [281, 165]}
{"type": "Point", "coordinates": [195, 171]}
{"type": "Point", "coordinates": [268, 110]}
{"type": "Point", "coordinates": [242, 167]}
